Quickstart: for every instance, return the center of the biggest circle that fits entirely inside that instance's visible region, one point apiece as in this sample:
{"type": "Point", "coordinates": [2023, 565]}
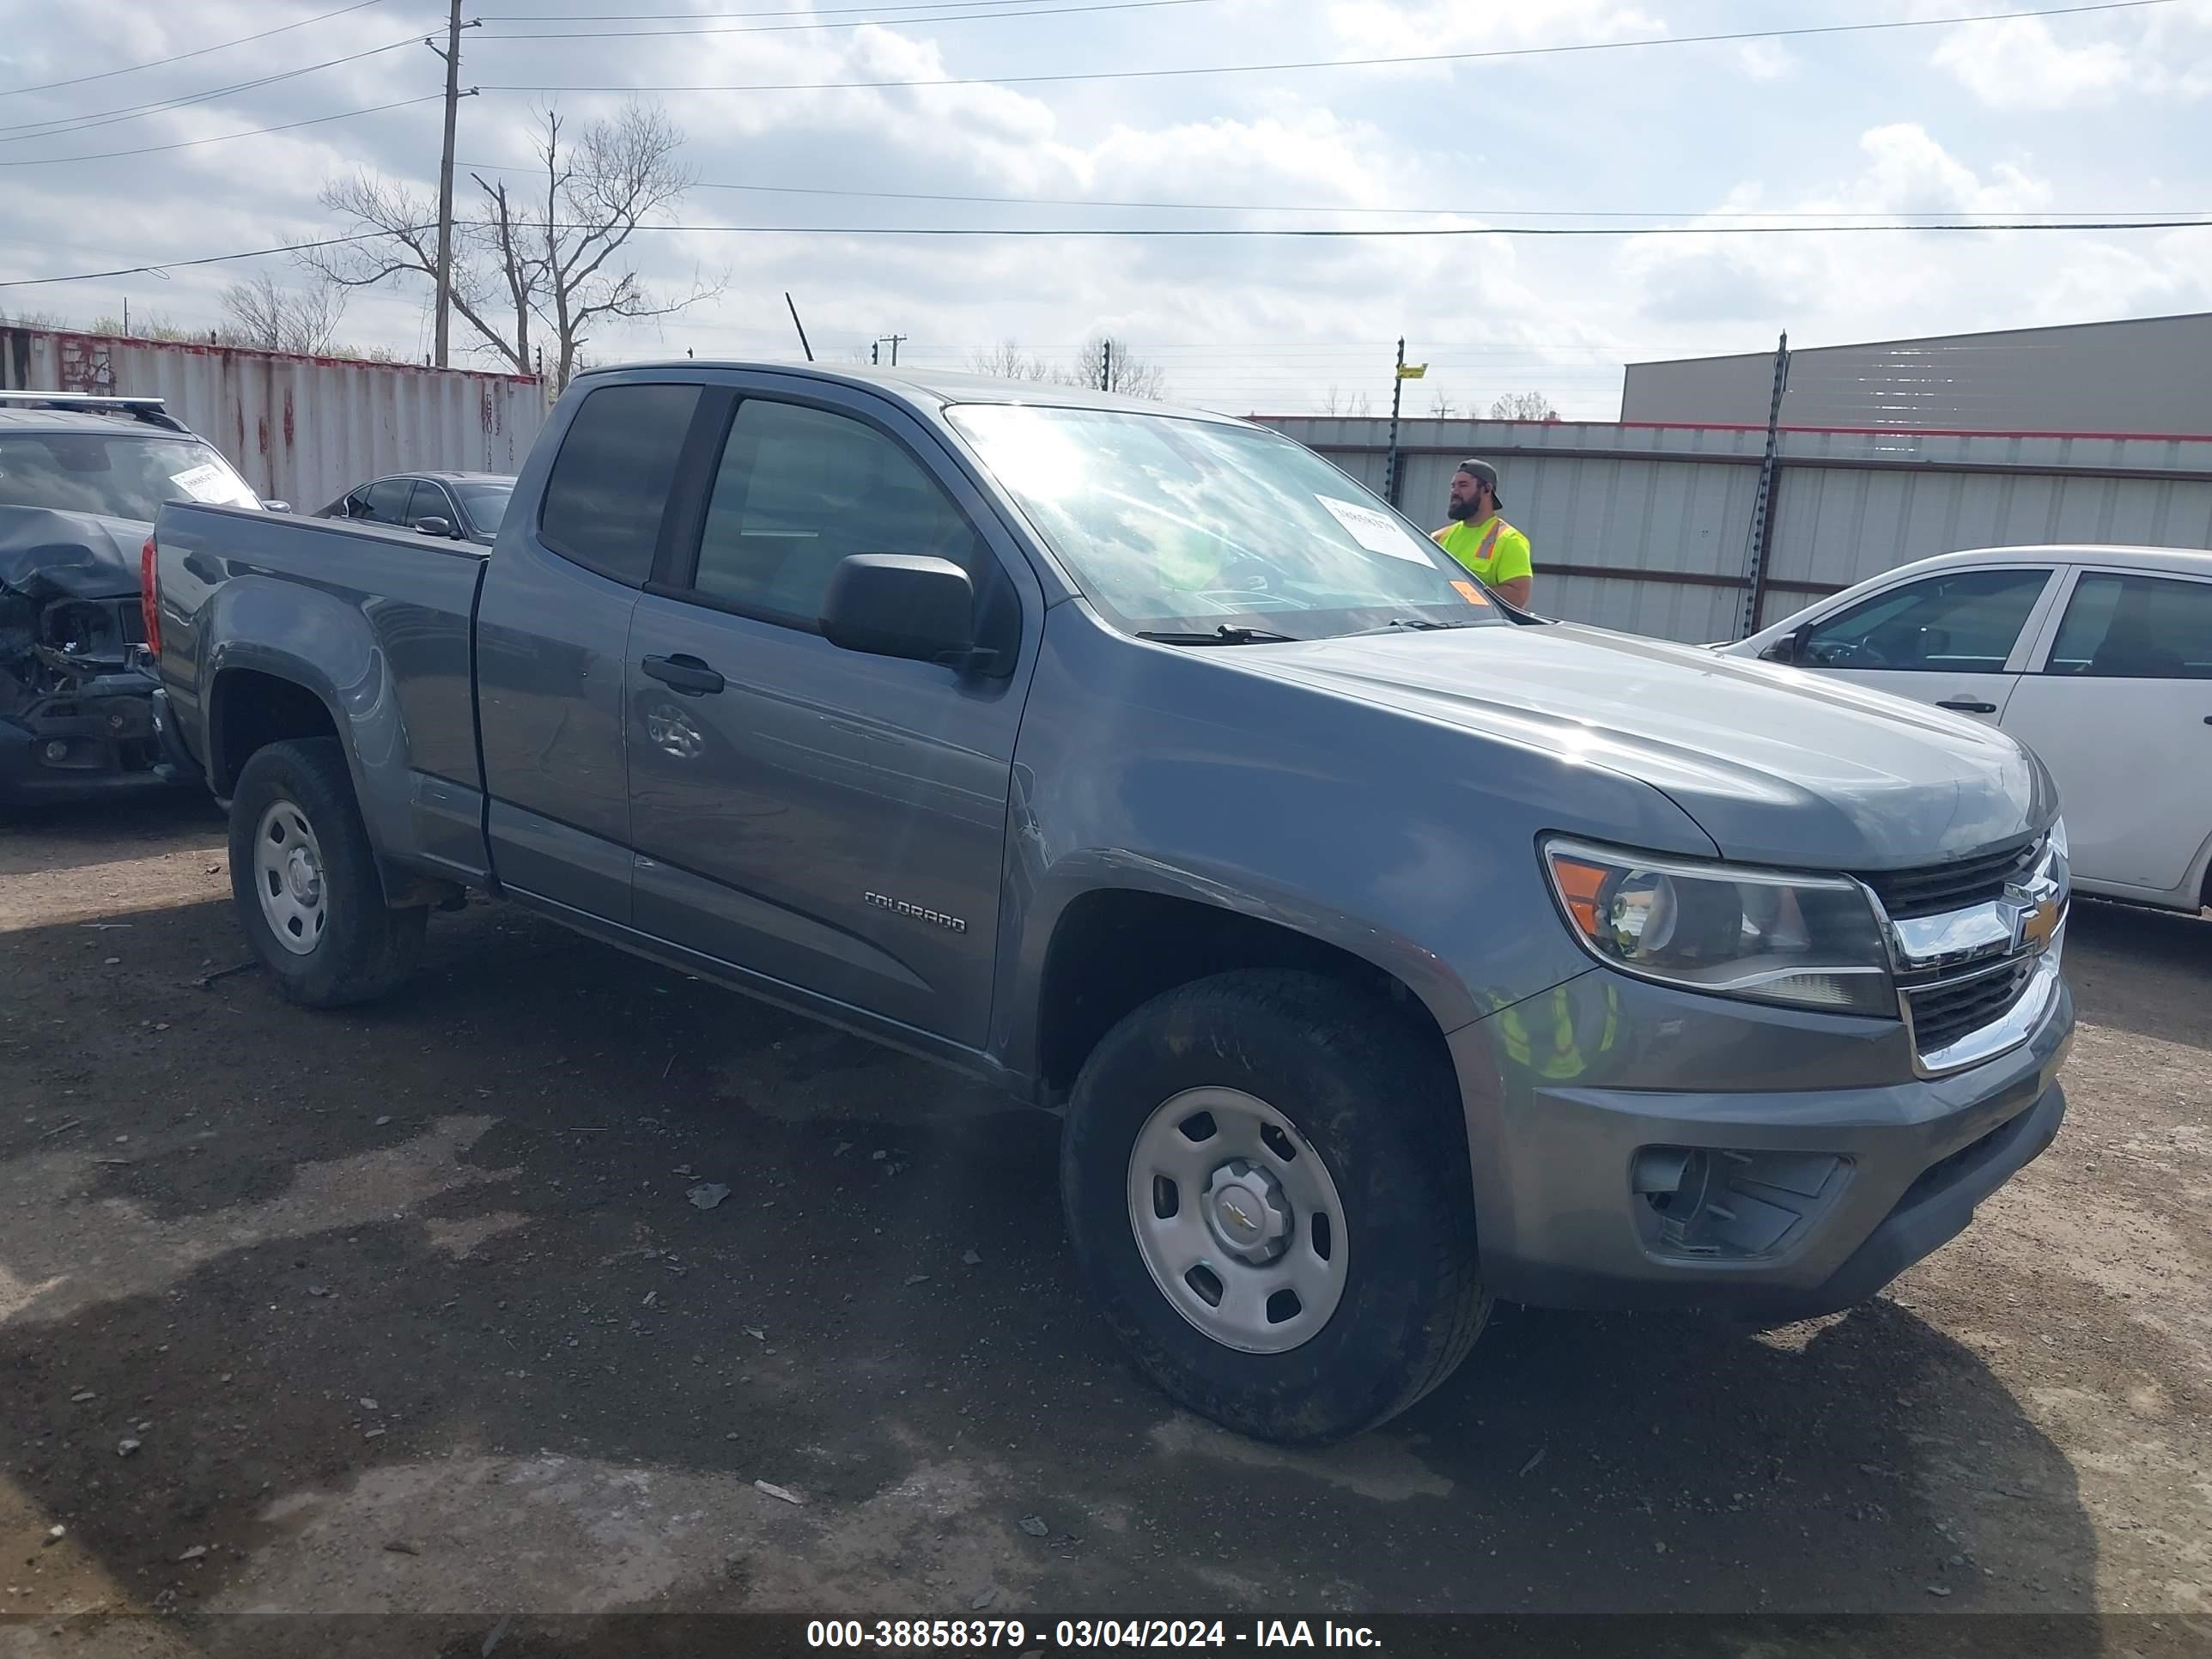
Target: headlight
{"type": "Point", "coordinates": [1807, 941]}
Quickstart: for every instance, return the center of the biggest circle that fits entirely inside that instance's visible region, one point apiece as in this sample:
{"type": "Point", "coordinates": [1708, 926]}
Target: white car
{"type": "Point", "coordinates": [2099, 659]}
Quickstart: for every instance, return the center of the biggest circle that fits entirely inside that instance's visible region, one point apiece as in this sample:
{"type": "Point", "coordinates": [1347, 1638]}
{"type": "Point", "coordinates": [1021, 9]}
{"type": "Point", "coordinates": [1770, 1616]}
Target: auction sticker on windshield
{"type": "Point", "coordinates": [1376, 531]}
{"type": "Point", "coordinates": [207, 483]}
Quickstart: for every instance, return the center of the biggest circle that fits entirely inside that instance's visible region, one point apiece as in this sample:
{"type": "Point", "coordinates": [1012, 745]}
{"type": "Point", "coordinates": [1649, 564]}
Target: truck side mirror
{"type": "Point", "coordinates": [433, 527]}
{"type": "Point", "coordinates": [898, 604]}
{"type": "Point", "coordinates": [277, 506]}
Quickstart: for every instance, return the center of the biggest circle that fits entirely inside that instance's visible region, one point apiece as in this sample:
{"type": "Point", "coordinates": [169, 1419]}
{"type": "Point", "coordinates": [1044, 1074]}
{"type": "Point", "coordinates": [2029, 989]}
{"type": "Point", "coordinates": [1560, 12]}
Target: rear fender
{"type": "Point", "coordinates": [325, 648]}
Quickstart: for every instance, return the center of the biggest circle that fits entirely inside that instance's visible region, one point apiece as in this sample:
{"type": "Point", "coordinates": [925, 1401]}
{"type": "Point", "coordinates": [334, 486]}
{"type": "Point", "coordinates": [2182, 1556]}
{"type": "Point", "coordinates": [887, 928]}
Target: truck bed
{"type": "Point", "coordinates": [377, 622]}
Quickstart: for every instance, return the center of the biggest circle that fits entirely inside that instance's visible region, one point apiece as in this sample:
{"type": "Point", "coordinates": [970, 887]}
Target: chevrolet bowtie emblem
{"type": "Point", "coordinates": [2037, 925]}
{"type": "Point", "coordinates": [1235, 1214]}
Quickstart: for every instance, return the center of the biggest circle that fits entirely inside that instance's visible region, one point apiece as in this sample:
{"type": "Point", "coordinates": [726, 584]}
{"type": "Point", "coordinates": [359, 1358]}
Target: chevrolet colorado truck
{"type": "Point", "coordinates": [1386, 949]}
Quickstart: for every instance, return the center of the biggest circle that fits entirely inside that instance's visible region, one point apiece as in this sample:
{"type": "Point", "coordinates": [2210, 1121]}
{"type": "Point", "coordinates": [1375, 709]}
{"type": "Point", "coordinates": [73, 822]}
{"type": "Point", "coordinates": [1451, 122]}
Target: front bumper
{"type": "Point", "coordinates": [1819, 1176]}
{"type": "Point", "coordinates": [98, 738]}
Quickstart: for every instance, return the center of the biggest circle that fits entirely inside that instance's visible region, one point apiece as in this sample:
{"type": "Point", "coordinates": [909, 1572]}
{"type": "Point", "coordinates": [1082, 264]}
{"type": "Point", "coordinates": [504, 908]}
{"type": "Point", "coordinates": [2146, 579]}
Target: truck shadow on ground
{"type": "Point", "coordinates": [352, 1280]}
{"type": "Point", "coordinates": [72, 835]}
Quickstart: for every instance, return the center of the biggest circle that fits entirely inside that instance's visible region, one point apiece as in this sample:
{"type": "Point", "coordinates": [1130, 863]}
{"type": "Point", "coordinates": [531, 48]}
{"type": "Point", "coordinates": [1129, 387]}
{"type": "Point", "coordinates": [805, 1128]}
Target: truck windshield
{"type": "Point", "coordinates": [117, 477]}
{"type": "Point", "coordinates": [1178, 525]}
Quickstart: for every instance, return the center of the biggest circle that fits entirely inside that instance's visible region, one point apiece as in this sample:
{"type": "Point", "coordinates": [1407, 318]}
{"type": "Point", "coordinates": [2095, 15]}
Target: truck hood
{"type": "Point", "coordinates": [1777, 766]}
{"type": "Point", "coordinates": [49, 555]}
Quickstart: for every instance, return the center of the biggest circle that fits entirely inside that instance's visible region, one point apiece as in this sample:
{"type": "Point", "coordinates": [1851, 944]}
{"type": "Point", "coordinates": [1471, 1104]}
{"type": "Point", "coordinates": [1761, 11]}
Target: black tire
{"type": "Point", "coordinates": [1380, 1106]}
{"type": "Point", "coordinates": [365, 948]}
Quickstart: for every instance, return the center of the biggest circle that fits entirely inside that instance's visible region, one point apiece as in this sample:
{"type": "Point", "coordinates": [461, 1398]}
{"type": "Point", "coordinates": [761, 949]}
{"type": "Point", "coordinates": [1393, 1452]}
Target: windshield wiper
{"type": "Point", "coordinates": [1411, 624]}
{"type": "Point", "coordinates": [1224, 634]}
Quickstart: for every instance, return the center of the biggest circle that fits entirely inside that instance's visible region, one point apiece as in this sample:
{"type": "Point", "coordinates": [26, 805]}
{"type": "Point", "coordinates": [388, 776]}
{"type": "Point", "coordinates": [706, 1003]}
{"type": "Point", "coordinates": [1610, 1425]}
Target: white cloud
{"type": "Point", "coordinates": [1832, 289]}
{"type": "Point", "coordinates": [1386, 28]}
{"type": "Point", "coordinates": [2020, 65]}
{"type": "Point", "coordinates": [2025, 65]}
{"type": "Point", "coordinates": [1251, 324]}
{"type": "Point", "coordinates": [1766, 60]}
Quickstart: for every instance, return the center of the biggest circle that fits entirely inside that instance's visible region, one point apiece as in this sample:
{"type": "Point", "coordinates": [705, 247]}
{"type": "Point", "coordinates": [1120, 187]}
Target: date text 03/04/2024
{"type": "Point", "coordinates": [1085, 1633]}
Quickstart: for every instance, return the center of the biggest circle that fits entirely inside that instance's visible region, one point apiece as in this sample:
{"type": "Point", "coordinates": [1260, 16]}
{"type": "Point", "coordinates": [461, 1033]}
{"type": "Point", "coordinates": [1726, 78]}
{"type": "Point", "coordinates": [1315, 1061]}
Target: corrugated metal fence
{"type": "Point", "coordinates": [1649, 529]}
{"type": "Point", "coordinates": [302, 429]}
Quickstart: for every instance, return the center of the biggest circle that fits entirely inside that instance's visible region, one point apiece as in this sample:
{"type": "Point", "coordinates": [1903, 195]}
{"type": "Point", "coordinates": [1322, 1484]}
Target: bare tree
{"type": "Point", "coordinates": [400, 228]}
{"type": "Point", "coordinates": [271, 318]}
{"type": "Point", "coordinates": [1523, 406]}
{"type": "Point", "coordinates": [1007, 361]}
{"type": "Point", "coordinates": [620, 173]}
{"type": "Point", "coordinates": [50, 320]}
{"type": "Point", "coordinates": [556, 258]}
{"type": "Point", "coordinates": [1106, 363]}
{"type": "Point", "coordinates": [1353, 406]}
{"type": "Point", "coordinates": [1441, 408]}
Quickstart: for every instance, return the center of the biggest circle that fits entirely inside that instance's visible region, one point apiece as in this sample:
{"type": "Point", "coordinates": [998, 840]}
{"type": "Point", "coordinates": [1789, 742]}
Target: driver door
{"type": "Point", "coordinates": [821, 817]}
{"type": "Point", "coordinates": [1957, 639]}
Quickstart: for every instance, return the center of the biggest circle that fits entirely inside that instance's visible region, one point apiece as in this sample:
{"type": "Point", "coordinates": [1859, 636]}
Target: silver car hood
{"type": "Point", "coordinates": [1777, 766]}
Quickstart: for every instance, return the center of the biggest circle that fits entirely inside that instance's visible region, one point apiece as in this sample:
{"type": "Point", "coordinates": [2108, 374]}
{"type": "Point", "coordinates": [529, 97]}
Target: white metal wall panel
{"type": "Point", "coordinates": [301, 430]}
{"type": "Point", "coordinates": [1647, 506]}
{"type": "Point", "coordinates": [1618, 499]}
{"type": "Point", "coordinates": [1839, 525]}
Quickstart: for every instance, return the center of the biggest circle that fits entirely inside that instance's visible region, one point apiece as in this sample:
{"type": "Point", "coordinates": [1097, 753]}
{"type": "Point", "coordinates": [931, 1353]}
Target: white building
{"type": "Point", "coordinates": [2149, 376]}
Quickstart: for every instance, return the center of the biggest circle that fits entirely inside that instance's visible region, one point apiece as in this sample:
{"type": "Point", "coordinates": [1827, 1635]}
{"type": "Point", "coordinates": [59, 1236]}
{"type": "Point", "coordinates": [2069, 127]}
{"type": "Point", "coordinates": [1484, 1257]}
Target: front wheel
{"type": "Point", "coordinates": [303, 876]}
{"type": "Point", "coordinates": [1268, 1191]}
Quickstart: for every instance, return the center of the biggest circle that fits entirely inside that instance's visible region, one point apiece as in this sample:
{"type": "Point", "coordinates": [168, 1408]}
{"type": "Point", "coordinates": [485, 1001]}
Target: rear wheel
{"type": "Point", "coordinates": [1266, 1189]}
{"type": "Point", "coordinates": [304, 879]}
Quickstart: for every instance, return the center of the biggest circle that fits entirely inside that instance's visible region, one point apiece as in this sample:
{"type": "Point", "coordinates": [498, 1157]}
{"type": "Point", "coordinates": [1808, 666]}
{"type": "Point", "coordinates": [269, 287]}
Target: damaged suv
{"type": "Point", "coordinates": [81, 481]}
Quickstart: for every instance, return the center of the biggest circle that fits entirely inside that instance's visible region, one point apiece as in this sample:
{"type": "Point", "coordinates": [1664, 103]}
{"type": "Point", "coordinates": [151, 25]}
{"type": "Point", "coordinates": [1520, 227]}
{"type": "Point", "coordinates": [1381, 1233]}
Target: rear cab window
{"type": "Point", "coordinates": [613, 481]}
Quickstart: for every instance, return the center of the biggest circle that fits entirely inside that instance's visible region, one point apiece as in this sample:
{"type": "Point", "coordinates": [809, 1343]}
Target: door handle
{"type": "Point", "coordinates": [1968, 706]}
{"type": "Point", "coordinates": [685, 674]}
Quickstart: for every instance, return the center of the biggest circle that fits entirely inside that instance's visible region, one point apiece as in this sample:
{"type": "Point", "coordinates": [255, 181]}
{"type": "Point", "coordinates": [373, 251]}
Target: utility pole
{"type": "Point", "coordinates": [1761, 540]}
{"type": "Point", "coordinates": [875, 351]}
{"type": "Point", "coordinates": [451, 54]}
{"type": "Point", "coordinates": [1397, 391]}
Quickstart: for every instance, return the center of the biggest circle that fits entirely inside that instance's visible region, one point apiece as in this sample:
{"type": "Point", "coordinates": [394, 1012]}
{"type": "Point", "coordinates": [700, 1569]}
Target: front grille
{"type": "Point", "coordinates": [1937, 890]}
{"type": "Point", "coordinates": [1941, 1014]}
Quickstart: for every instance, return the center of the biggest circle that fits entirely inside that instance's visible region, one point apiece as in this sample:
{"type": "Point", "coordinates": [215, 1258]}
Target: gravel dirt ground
{"type": "Point", "coordinates": [407, 1309]}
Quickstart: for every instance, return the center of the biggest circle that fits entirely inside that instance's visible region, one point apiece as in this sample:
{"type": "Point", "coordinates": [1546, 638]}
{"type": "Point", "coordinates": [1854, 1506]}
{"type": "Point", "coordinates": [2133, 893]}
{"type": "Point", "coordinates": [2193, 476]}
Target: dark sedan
{"type": "Point", "coordinates": [463, 506]}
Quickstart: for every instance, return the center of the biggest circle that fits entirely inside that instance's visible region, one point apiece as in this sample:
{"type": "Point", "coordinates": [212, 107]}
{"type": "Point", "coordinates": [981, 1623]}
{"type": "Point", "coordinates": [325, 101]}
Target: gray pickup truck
{"type": "Point", "coordinates": [1386, 950]}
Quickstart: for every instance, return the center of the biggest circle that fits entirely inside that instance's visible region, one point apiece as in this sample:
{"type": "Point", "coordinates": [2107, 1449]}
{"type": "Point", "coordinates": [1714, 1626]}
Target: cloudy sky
{"type": "Point", "coordinates": [2099, 115]}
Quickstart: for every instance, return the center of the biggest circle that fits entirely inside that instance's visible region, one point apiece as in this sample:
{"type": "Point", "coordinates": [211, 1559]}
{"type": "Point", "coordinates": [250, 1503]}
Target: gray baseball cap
{"type": "Point", "coordinates": [1487, 473]}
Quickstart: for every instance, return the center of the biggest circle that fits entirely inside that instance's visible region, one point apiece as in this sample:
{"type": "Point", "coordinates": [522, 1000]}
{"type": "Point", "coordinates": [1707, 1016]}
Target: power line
{"type": "Point", "coordinates": [853, 23]}
{"type": "Point", "coordinates": [1368, 63]}
{"type": "Point", "coordinates": [60, 124]}
{"type": "Point", "coordinates": [1152, 231]}
{"type": "Point", "coordinates": [206, 259]}
{"type": "Point", "coordinates": [223, 137]}
{"type": "Point", "coordinates": [178, 58]}
{"type": "Point", "coordinates": [1464, 209]}
{"type": "Point", "coordinates": [1172, 231]}
{"type": "Point", "coordinates": [1137, 232]}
